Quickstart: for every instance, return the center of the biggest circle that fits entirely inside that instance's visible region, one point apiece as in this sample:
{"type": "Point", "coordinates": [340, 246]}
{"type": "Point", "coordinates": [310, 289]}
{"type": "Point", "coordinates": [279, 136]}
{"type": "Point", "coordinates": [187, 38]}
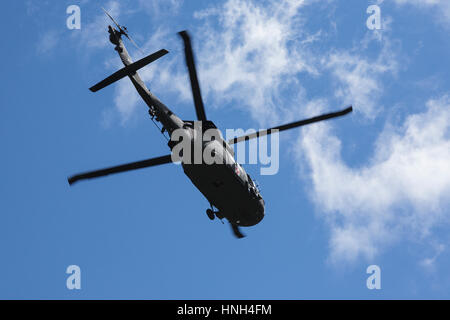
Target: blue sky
{"type": "Point", "coordinates": [371, 188]}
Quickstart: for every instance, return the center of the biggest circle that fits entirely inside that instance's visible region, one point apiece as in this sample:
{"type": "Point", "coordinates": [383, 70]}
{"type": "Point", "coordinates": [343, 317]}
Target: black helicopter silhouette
{"type": "Point", "coordinates": [225, 184]}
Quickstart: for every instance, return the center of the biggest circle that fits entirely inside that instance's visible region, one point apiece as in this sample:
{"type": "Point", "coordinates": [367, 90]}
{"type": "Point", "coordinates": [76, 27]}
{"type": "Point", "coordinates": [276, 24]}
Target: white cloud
{"type": "Point", "coordinates": [402, 192]}
{"type": "Point", "coordinates": [441, 7]}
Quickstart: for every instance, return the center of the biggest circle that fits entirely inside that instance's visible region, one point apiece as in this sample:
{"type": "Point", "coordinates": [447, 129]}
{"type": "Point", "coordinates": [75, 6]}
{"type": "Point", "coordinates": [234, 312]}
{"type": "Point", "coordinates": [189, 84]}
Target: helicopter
{"type": "Point", "coordinates": [225, 184]}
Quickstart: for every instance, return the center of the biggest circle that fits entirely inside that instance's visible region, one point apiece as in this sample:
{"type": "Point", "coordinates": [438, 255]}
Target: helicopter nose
{"type": "Point", "coordinates": [260, 209]}
{"type": "Point", "coordinates": [261, 205]}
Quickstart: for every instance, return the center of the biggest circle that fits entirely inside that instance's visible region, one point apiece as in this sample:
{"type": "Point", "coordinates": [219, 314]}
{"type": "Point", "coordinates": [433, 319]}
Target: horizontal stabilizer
{"type": "Point", "coordinates": [128, 70]}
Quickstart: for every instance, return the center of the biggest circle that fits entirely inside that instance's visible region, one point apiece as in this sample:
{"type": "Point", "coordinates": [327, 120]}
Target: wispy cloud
{"type": "Point", "coordinates": [441, 8]}
{"type": "Point", "coordinates": [158, 8]}
{"type": "Point", "coordinates": [47, 42]}
{"type": "Point", "coordinates": [430, 263]}
{"type": "Point", "coordinates": [92, 34]}
{"type": "Point", "coordinates": [257, 51]}
{"type": "Point", "coordinates": [359, 79]}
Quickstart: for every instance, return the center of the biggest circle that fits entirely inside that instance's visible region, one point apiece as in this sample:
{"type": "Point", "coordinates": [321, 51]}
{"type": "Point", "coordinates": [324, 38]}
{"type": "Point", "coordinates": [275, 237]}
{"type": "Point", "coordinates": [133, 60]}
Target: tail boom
{"type": "Point", "coordinates": [164, 115]}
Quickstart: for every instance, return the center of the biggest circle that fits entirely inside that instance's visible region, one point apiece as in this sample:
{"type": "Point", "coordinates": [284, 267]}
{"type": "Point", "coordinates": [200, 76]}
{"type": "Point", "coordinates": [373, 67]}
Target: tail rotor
{"type": "Point", "coordinates": [123, 30]}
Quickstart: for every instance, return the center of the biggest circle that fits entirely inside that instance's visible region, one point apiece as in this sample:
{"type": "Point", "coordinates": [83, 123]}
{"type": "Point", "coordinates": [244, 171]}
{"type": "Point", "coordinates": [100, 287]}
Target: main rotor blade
{"type": "Point", "coordinates": [292, 125]}
{"type": "Point", "coordinates": [121, 168]}
{"type": "Point", "coordinates": [198, 102]}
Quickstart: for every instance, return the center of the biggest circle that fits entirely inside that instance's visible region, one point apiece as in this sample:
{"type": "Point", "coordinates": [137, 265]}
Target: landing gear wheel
{"type": "Point", "coordinates": [210, 214]}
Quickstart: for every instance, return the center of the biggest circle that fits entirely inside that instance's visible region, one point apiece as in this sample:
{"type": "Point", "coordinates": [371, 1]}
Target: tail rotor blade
{"type": "Point", "coordinates": [134, 43]}
{"type": "Point", "coordinates": [115, 22]}
{"type": "Point", "coordinates": [198, 102]}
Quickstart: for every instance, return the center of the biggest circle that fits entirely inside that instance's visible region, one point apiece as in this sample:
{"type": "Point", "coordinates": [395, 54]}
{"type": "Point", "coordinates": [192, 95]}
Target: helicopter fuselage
{"type": "Point", "coordinates": [224, 183]}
